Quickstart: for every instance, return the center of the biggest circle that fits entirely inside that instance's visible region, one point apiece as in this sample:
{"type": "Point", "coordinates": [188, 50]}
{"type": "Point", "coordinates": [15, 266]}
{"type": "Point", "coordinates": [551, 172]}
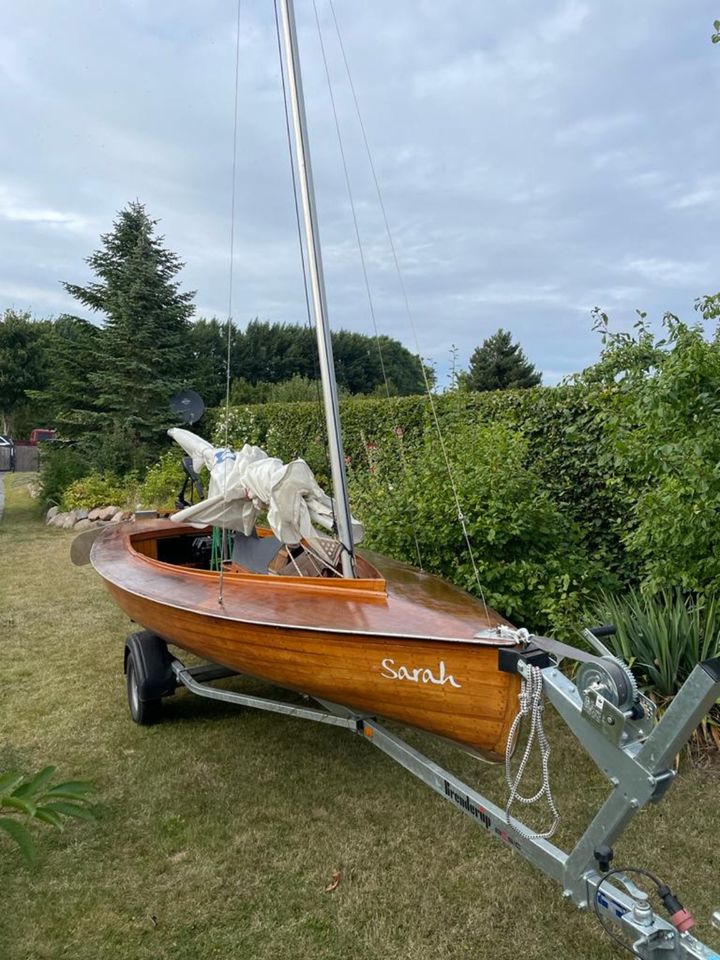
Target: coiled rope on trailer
{"type": "Point", "coordinates": [532, 706]}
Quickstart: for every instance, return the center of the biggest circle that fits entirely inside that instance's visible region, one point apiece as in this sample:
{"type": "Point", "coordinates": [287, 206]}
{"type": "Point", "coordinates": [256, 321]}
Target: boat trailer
{"type": "Point", "coordinates": [617, 728]}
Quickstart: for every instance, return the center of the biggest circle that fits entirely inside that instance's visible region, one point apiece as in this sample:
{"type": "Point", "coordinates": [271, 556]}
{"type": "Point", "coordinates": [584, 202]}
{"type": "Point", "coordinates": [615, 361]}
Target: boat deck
{"type": "Point", "coordinates": [398, 601]}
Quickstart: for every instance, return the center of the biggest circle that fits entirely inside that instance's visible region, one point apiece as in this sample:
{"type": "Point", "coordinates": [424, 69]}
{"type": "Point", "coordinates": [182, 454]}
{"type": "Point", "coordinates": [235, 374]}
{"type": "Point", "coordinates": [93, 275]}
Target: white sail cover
{"type": "Point", "coordinates": [247, 482]}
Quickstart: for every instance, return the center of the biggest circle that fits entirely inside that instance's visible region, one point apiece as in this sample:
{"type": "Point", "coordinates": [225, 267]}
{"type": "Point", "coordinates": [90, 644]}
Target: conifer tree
{"type": "Point", "coordinates": [500, 364]}
{"type": "Point", "coordinates": [72, 348]}
{"type": "Point", "coordinates": [145, 356]}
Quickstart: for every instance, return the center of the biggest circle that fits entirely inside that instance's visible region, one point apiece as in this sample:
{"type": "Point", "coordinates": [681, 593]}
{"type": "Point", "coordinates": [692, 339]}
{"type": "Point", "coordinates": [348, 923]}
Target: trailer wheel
{"type": "Point", "coordinates": [144, 712]}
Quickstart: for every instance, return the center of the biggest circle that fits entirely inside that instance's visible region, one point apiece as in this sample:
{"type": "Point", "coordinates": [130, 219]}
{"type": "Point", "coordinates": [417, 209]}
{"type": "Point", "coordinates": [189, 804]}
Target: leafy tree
{"type": "Point", "coordinates": [709, 305]}
{"type": "Point", "coordinates": [716, 36]}
{"type": "Point", "coordinates": [272, 352]}
{"type": "Point", "coordinates": [500, 364]}
{"type": "Point", "coordinates": [22, 366]}
{"type": "Point", "coordinates": [207, 344]}
{"type": "Point", "coordinates": [145, 339]}
{"type": "Point", "coordinates": [244, 392]}
{"type": "Point", "coordinates": [359, 369]}
{"type": "Point", "coordinates": [276, 352]}
{"type": "Point", "coordinates": [659, 414]}
{"type": "Point", "coordinates": [295, 390]}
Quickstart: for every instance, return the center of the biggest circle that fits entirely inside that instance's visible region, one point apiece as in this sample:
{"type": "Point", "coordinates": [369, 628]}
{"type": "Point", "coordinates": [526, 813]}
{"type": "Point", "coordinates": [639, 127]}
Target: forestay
{"type": "Point", "coordinates": [246, 483]}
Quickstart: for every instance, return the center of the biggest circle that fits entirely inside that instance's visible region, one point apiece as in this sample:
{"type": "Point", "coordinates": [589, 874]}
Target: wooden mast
{"type": "Point", "coordinates": [317, 286]}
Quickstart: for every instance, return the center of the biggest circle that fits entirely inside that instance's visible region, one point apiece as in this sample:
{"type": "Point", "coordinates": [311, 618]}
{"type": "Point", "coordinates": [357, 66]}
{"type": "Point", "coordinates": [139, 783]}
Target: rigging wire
{"type": "Point", "coordinates": [230, 295]}
{"type": "Point", "coordinates": [301, 246]}
{"type": "Point", "coordinates": [361, 252]}
{"type": "Point", "coordinates": [408, 311]}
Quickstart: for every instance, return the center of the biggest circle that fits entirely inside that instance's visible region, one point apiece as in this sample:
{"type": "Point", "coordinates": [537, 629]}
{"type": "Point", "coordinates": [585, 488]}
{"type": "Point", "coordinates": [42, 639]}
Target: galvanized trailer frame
{"type": "Point", "coordinates": [636, 756]}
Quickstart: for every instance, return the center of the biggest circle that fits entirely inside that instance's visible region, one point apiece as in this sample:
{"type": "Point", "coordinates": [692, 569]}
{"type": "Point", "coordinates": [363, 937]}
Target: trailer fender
{"type": "Point", "coordinates": [152, 659]}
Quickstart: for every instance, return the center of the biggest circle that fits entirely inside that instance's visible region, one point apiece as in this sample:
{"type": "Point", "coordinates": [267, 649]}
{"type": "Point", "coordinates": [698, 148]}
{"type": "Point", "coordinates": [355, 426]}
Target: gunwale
{"type": "Point", "coordinates": [408, 604]}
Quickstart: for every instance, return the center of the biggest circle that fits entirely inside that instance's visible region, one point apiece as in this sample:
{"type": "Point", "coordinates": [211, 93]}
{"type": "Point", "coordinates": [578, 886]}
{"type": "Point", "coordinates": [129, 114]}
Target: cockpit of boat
{"type": "Point", "coordinates": [257, 554]}
{"type": "Point", "coordinates": [260, 553]}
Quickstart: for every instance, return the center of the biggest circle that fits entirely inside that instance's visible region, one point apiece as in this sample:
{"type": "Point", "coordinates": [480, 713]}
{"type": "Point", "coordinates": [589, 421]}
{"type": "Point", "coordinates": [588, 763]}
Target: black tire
{"type": "Point", "coordinates": [144, 712]}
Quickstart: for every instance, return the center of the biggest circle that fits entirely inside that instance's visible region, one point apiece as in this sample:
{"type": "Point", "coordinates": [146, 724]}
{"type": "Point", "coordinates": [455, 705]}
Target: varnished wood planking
{"type": "Point", "coordinates": [147, 547]}
{"type": "Point", "coordinates": [416, 604]}
{"type": "Point", "coordinates": [347, 670]}
{"type": "Point", "coordinates": [332, 665]}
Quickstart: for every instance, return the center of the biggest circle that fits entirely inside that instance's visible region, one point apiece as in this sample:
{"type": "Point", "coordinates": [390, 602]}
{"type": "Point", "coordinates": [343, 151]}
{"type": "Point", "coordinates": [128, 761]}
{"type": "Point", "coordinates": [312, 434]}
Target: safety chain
{"type": "Point", "coordinates": [531, 705]}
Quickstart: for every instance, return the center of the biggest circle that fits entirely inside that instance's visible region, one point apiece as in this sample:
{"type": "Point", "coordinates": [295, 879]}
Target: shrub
{"type": "Point", "coordinates": [676, 451]}
{"type": "Point", "coordinates": [98, 490]}
{"type": "Point", "coordinates": [35, 798]}
{"type": "Point", "coordinates": [61, 465]}
{"type": "Point", "coordinates": [660, 442]}
{"type": "Point", "coordinates": [162, 482]}
{"type": "Point", "coordinates": [530, 560]}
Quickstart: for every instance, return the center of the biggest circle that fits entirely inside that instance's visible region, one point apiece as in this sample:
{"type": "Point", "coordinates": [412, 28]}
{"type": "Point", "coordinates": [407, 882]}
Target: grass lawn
{"type": "Point", "coordinates": [220, 828]}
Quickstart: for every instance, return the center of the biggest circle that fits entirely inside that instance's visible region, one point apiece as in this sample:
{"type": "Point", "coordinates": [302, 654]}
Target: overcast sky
{"type": "Point", "coordinates": [536, 159]}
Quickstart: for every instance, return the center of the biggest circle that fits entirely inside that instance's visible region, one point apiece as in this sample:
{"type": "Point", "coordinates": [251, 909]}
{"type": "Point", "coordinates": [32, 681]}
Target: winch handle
{"type": "Point", "coordinates": [593, 635]}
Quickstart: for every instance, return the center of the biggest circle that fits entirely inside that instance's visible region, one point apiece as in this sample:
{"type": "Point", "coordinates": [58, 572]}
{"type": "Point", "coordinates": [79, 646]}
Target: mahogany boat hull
{"type": "Point", "coordinates": [376, 660]}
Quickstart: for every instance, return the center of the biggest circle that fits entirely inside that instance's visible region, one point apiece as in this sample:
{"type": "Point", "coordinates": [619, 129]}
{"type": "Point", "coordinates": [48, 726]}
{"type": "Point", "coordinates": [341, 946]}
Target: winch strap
{"type": "Point", "coordinates": [562, 650]}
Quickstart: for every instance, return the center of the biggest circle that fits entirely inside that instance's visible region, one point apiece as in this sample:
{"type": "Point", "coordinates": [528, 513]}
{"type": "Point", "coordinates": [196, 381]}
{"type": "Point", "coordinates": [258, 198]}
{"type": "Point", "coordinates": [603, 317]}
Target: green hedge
{"type": "Point", "coordinates": [561, 426]}
{"type": "Point", "coordinates": [553, 491]}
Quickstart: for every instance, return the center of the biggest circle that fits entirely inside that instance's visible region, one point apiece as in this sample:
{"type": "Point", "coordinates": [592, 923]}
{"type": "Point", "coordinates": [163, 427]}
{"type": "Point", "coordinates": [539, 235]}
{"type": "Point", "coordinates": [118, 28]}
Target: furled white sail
{"type": "Point", "coordinates": [245, 483]}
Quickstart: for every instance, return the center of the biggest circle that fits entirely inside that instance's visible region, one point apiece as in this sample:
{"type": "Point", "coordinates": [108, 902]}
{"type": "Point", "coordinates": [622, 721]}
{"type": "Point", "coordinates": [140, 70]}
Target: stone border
{"type": "Point", "coordinates": [79, 520]}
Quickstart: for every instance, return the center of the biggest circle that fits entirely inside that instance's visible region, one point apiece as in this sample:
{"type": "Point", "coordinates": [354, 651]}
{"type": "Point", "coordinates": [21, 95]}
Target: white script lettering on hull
{"type": "Point", "coordinates": [418, 674]}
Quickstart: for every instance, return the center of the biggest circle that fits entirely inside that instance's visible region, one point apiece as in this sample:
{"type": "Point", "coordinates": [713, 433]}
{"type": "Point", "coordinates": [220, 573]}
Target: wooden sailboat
{"type": "Point", "coordinates": [392, 641]}
{"type": "Point", "coordinates": [365, 632]}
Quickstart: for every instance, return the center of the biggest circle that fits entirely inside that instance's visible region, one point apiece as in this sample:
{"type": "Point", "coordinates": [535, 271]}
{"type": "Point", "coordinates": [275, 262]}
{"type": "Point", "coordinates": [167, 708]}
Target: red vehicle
{"type": "Point", "coordinates": [40, 433]}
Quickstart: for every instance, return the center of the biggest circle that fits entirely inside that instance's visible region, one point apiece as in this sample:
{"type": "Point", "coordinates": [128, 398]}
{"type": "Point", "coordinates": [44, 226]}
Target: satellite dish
{"type": "Point", "coordinates": [187, 405]}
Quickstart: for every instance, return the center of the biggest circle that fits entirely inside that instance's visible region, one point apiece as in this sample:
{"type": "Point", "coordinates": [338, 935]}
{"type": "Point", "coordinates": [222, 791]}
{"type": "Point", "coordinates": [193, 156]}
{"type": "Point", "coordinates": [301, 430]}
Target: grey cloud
{"type": "Point", "coordinates": [535, 162]}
